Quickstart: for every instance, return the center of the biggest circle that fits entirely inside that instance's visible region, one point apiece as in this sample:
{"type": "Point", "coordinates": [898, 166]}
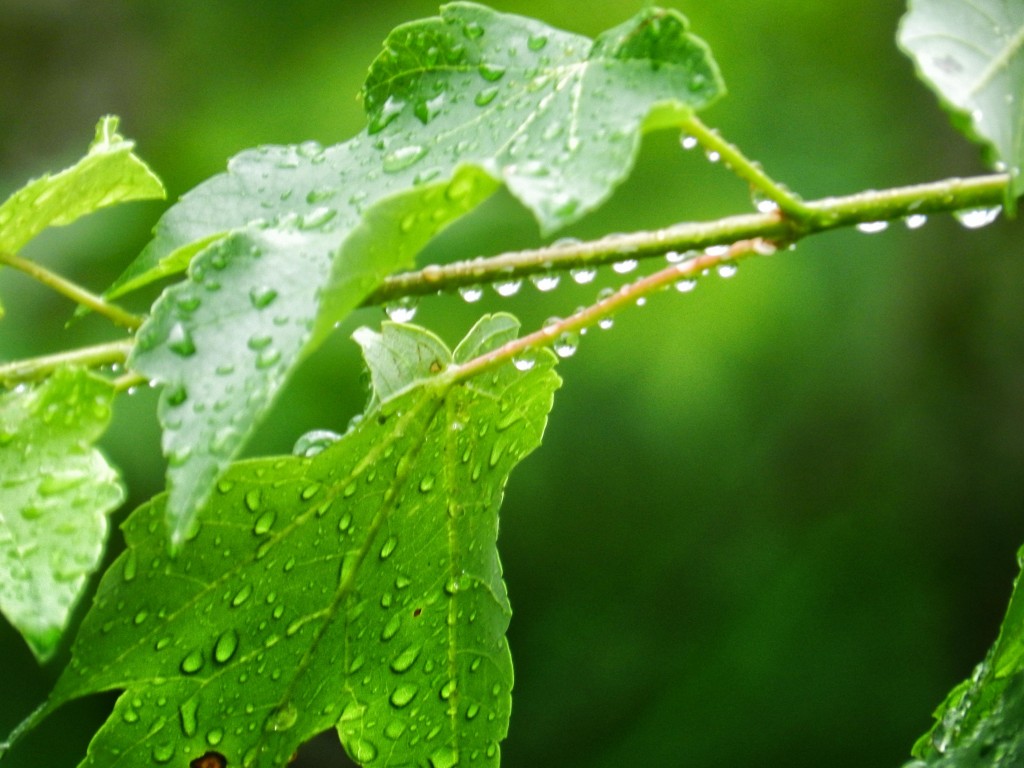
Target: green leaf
{"type": "Point", "coordinates": [54, 497]}
{"type": "Point", "coordinates": [979, 723]}
{"type": "Point", "coordinates": [110, 173]}
{"type": "Point", "coordinates": [456, 104]}
{"type": "Point", "coordinates": [969, 52]}
{"type": "Point", "coordinates": [357, 589]}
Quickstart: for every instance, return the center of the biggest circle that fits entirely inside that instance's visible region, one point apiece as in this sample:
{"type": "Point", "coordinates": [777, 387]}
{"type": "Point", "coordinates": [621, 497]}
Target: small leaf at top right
{"type": "Point", "coordinates": [971, 53]}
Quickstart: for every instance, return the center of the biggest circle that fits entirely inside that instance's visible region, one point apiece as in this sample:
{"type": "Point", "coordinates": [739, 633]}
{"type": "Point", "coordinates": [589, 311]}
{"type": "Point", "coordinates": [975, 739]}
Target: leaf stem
{"type": "Point", "coordinates": [748, 170]}
{"type": "Point", "coordinates": [944, 196]}
{"type": "Point", "coordinates": [71, 290]}
{"type": "Point", "coordinates": [34, 368]}
{"type": "Point", "coordinates": [682, 275]}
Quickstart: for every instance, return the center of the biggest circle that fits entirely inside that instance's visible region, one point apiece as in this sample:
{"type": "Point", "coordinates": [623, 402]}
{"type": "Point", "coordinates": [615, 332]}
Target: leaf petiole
{"type": "Point", "coordinates": [71, 290]}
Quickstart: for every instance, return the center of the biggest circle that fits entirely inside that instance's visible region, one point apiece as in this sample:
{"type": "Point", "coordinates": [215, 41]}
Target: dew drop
{"type": "Point", "coordinates": [566, 344]}
{"type": "Point", "coordinates": [364, 751]}
{"type": "Point", "coordinates": [179, 341]}
{"type": "Point", "coordinates": [262, 296]}
{"type": "Point", "coordinates": [400, 159]}
{"type": "Point", "coordinates": [391, 628]}
{"type": "Point", "coordinates": [401, 311]}
{"type": "Point", "coordinates": [915, 221]}
{"type": "Point", "coordinates": [978, 218]}
{"type": "Point", "coordinates": [264, 522]}
{"type": "Point", "coordinates": [192, 663]}
{"type": "Point", "coordinates": [162, 753]}
{"type": "Point", "coordinates": [872, 227]}
{"type": "Point", "coordinates": [404, 661]}
{"type": "Point", "coordinates": [686, 285]}
{"type": "Point", "coordinates": [583, 275]}
{"type": "Point", "coordinates": [486, 96]}
{"type": "Point", "coordinates": [523, 362]}
{"type": "Point", "coordinates": [624, 267]}
{"type": "Point", "coordinates": [225, 647]}
{"type": "Point", "coordinates": [131, 565]}
{"type": "Point", "coordinates": [537, 42]}
{"type": "Point", "coordinates": [445, 757]}
{"type": "Point", "coordinates": [506, 288]}
{"type": "Point", "coordinates": [241, 595]}
{"type": "Point", "coordinates": [318, 218]}
{"type": "Point", "coordinates": [388, 547]}
{"type": "Point", "coordinates": [471, 293]}
{"type": "Point", "coordinates": [403, 695]}
{"type": "Point", "coordinates": [491, 72]}
{"type": "Point", "coordinates": [605, 323]}
{"type": "Point", "coordinates": [545, 282]}
{"type": "Point", "coordinates": [187, 716]}
{"type": "Point", "coordinates": [727, 270]}
{"type": "Point", "coordinates": [712, 156]}
{"type": "Point", "coordinates": [315, 441]}
{"type": "Point", "coordinates": [688, 142]}
{"type": "Point", "coordinates": [282, 718]}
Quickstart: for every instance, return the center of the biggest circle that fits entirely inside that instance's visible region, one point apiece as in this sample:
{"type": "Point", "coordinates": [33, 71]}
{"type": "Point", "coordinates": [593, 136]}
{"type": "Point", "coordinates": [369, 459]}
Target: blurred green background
{"type": "Point", "coordinates": [772, 522]}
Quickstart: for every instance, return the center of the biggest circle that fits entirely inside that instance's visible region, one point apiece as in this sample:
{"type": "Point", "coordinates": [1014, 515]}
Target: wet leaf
{"type": "Point", "coordinates": [55, 492]}
{"type": "Point", "coordinates": [358, 589]}
{"type": "Point", "coordinates": [110, 173]}
{"type": "Point", "coordinates": [291, 239]}
{"type": "Point", "coordinates": [969, 52]}
{"type": "Point", "coordinates": [979, 722]}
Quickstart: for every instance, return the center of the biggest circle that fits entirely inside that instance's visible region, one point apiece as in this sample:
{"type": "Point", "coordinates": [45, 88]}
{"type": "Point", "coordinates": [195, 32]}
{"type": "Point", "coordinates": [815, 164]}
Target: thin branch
{"type": "Point", "coordinates": [71, 290]}
{"type": "Point", "coordinates": [31, 369]}
{"type": "Point", "coordinates": [683, 275]}
{"type": "Point", "coordinates": [830, 213]}
{"type": "Point", "coordinates": [748, 170]}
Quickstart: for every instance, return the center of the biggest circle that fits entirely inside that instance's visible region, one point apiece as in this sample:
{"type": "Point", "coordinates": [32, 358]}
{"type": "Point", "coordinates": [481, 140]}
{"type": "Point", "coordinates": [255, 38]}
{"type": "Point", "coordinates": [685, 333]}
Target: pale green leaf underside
{"type": "Point", "coordinates": [970, 53]}
{"type": "Point", "coordinates": [358, 589]}
{"type": "Point", "coordinates": [55, 493]}
{"type": "Point", "coordinates": [291, 239]}
{"type": "Point", "coordinates": [110, 173]}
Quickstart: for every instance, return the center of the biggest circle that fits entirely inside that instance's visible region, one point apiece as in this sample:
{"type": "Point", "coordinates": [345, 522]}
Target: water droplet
{"type": "Point", "coordinates": [537, 42]}
{"type": "Point", "coordinates": [472, 711]}
{"type": "Point", "coordinates": [727, 270]}
{"type": "Point", "coordinates": [688, 142]}
{"type": "Point", "coordinates": [226, 646]}
{"type": "Point", "coordinates": [624, 267]}
{"type": "Point", "coordinates": [447, 689]}
{"type": "Point", "coordinates": [427, 109]}
{"type": "Point", "coordinates": [403, 695]}
{"type": "Point", "coordinates": [915, 221]}
{"type": "Point", "coordinates": [507, 288]}
{"type": "Point", "coordinates": [241, 595]}
{"type": "Point", "coordinates": [486, 96]}
{"type": "Point", "coordinates": [426, 484]}
{"type": "Point", "coordinates": [131, 565]}
{"type": "Point", "coordinates": [315, 441]}
{"type": "Point", "coordinates": [445, 757]}
{"type": "Point", "coordinates": [400, 159]}
{"type": "Point", "coordinates": [264, 522]}
{"type": "Point", "coordinates": [388, 547]}
{"type": "Point", "coordinates": [391, 109]}
{"type": "Point", "coordinates": [162, 753]}
{"type": "Point", "coordinates": [404, 661]}
{"type": "Point", "coordinates": [179, 341]}
{"type": "Point", "coordinates": [282, 718]}
{"type": "Point", "coordinates": [871, 227]}
{"type": "Point", "coordinates": [491, 72]}
{"type": "Point", "coordinates": [187, 716]}
{"type": "Point", "coordinates": [712, 156]}
{"type": "Point", "coordinates": [364, 751]}
{"type": "Point", "coordinates": [471, 293]}
{"type": "Point", "coordinates": [252, 500]}
{"type": "Point", "coordinates": [391, 628]}
{"type": "Point", "coordinates": [545, 282]}
{"type": "Point", "coordinates": [259, 342]}
{"type": "Point", "coordinates": [583, 275]}
{"type": "Point", "coordinates": [401, 311]}
{"type": "Point", "coordinates": [764, 204]}
{"type": "Point", "coordinates": [605, 323]}
{"type": "Point", "coordinates": [524, 362]}
{"type": "Point", "coordinates": [318, 218]}
{"type": "Point", "coordinates": [686, 285]}
{"type": "Point", "coordinates": [978, 218]}
{"type": "Point", "coordinates": [193, 662]}
{"type": "Point", "coordinates": [566, 344]}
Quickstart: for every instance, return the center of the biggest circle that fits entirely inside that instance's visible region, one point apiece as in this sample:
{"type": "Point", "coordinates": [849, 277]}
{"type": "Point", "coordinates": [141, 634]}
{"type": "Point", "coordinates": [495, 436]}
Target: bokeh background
{"type": "Point", "coordinates": [772, 522]}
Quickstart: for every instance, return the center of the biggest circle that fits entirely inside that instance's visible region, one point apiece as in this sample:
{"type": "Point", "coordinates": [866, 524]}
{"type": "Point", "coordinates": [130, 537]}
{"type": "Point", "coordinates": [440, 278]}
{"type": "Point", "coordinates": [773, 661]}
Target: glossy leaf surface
{"type": "Point", "coordinates": [55, 492]}
{"type": "Point", "coordinates": [291, 239]}
{"type": "Point", "coordinates": [358, 589]}
{"type": "Point", "coordinates": [970, 53]}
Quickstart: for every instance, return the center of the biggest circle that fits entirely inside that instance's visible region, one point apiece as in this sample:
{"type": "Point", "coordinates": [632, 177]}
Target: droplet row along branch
{"type": "Point", "coordinates": [946, 196]}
